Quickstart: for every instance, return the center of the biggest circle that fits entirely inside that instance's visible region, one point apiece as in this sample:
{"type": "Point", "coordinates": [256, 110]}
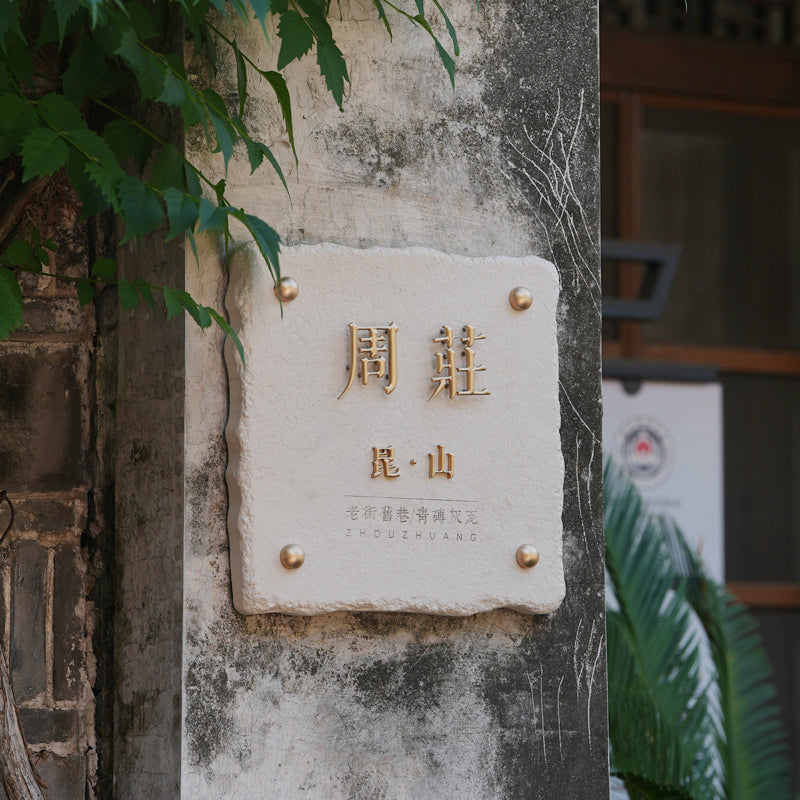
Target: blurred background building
{"type": "Point", "coordinates": [701, 149]}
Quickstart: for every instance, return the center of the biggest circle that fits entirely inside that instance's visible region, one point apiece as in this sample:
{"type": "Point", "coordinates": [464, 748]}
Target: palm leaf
{"type": "Point", "coordinates": [691, 706]}
{"type": "Point", "coordinates": [656, 687]}
{"type": "Point", "coordinates": [753, 744]}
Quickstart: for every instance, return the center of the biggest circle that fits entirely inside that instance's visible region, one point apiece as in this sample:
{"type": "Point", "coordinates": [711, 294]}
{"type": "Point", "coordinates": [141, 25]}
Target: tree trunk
{"type": "Point", "coordinates": [19, 777]}
{"type": "Point", "coordinates": [16, 769]}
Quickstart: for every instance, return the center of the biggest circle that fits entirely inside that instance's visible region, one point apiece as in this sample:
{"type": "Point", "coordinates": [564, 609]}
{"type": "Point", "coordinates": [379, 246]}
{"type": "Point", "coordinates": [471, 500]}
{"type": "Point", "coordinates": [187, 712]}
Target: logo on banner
{"type": "Point", "coordinates": [644, 449]}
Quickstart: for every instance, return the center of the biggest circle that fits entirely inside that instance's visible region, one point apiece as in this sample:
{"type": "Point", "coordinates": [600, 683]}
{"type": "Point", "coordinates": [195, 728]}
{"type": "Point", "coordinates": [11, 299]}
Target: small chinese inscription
{"type": "Point", "coordinates": [394, 519]}
{"type": "Point", "coordinates": [373, 351]}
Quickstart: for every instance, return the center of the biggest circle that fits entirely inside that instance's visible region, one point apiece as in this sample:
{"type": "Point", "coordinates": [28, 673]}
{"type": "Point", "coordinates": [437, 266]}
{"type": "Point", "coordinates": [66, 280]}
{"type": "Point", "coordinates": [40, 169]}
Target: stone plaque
{"type": "Point", "coordinates": [394, 438]}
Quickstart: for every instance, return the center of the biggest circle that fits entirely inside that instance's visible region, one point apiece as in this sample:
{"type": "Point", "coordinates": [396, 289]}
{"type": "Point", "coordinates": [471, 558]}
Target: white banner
{"type": "Point", "coordinates": [668, 438]}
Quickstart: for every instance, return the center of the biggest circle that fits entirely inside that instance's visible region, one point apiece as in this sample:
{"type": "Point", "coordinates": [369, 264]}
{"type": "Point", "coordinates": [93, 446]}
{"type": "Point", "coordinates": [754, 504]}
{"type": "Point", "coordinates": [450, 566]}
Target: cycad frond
{"type": "Point", "coordinates": [687, 675]}
{"type": "Point", "coordinates": [753, 743]}
{"type": "Point", "coordinates": [656, 685]}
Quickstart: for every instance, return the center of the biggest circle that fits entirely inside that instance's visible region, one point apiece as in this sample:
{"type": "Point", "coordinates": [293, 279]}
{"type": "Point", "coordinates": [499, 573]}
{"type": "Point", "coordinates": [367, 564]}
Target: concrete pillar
{"type": "Point", "coordinates": [375, 705]}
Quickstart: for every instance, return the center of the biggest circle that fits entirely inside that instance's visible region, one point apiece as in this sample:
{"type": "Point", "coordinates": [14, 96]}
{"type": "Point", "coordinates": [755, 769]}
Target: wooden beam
{"type": "Point", "coordinates": [726, 359]}
{"type": "Point", "coordinates": [697, 67]}
{"type": "Point", "coordinates": [767, 595]}
{"type": "Point", "coordinates": [629, 208]}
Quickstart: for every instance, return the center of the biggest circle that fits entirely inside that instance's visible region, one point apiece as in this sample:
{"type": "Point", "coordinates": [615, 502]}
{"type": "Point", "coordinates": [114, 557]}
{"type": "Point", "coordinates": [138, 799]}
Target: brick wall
{"type": "Point", "coordinates": [52, 435]}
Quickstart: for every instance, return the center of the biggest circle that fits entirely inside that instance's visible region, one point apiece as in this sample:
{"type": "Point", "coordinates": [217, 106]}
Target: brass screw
{"type": "Point", "coordinates": [521, 298]}
{"type": "Point", "coordinates": [286, 290]}
{"type": "Point", "coordinates": [527, 556]}
{"type": "Point", "coordinates": [292, 556]}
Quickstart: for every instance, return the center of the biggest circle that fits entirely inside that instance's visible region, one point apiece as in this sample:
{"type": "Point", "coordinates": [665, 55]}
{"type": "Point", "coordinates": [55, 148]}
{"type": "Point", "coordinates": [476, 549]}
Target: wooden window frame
{"type": "Point", "coordinates": [693, 74]}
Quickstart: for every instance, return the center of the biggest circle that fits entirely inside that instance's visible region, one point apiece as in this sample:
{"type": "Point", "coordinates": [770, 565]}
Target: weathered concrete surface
{"type": "Point", "coordinates": [377, 706]}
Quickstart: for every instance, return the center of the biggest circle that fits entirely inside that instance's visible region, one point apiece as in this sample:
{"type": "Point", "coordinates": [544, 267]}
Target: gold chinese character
{"type": "Point", "coordinates": [447, 371]}
{"type": "Point", "coordinates": [383, 463]}
{"type": "Point", "coordinates": [374, 349]}
{"type": "Point", "coordinates": [441, 464]}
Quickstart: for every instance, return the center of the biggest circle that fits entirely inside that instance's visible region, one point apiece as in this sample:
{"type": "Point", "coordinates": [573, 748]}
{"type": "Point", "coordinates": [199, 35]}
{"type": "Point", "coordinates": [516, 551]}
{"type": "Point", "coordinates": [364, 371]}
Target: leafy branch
{"type": "Point", "coordinates": [71, 70]}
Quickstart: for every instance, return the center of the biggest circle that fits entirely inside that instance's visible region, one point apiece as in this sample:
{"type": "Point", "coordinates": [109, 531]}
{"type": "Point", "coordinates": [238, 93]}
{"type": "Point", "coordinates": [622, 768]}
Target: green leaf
{"type": "Point", "coordinates": [205, 45]}
{"type": "Point", "coordinates": [261, 8]}
{"type": "Point", "coordinates": [17, 119]}
{"type": "Point", "coordinates": [267, 241]}
{"type": "Point", "coordinates": [106, 175]}
{"type": "Point", "coordinates": [96, 11]}
{"type": "Point", "coordinates": [10, 303]}
{"type": "Point", "coordinates": [219, 191]}
{"type": "Point", "coordinates": [93, 201]}
{"type": "Point", "coordinates": [42, 246]}
{"type": "Point", "coordinates": [92, 146]}
{"type": "Point", "coordinates": [174, 91]}
{"type": "Point", "coordinates": [48, 243]}
{"type": "Point", "coordinates": [448, 62]}
{"type": "Point", "coordinates": [226, 135]}
{"type": "Point", "coordinates": [19, 57]}
{"type": "Point", "coordinates": [332, 66]}
{"type": "Point", "coordinates": [65, 9]}
{"type": "Point", "coordinates": [85, 291]}
{"type": "Point", "coordinates": [140, 207]}
{"type": "Point", "coordinates": [146, 291]}
{"type": "Point", "coordinates": [296, 38]}
{"type": "Point", "coordinates": [382, 17]}
{"type": "Point", "coordinates": [192, 181]}
{"type": "Point", "coordinates": [60, 113]}
{"type": "Point", "coordinates": [240, 7]}
{"type": "Point", "coordinates": [19, 253]}
{"type": "Point", "coordinates": [149, 71]}
{"type": "Point", "coordinates": [212, 217]}
{"type": "Point", "coordinates": [43, 153]}
{"type": "Point", "coordinates": [241, 78]}
{"type": "Point", "coordinates": [143, 18]}
{"type": "Point", "coordinates": [193, 243]}
{"type": "Point", "coordinates": [48, 27]}
{"type": "Point", "coordinates": [182, 210]}
{"type": "Point", "coordinates": [86, 72]}
{"type": "Point", "coordinates": [450, 29]}
{"type": "Point", "coordinates": [197, 312]}
{"type": "Point", "coordinates": [104, 269]}
{"type": "Point", "coordinates": [257, 152]}
{"type": "Point", "coordinates": [278, 84]}
{"type": "Point", "coordinates": [7, 83]}
{"type": "Point", "coordinates": [128, 141]}
{"type": "Point", "coordinates": [214, 102]}
{"type": "Point", "coordinates": [9, 22]}
{"type": "Point", "coordinates": [172, 302]}
{"type": "Point", "coordinates": [194, 111]}
{"type": "Point", "coordinates": [220, 121]}
{"type": "Point", "coordinates": [229, 331]}
{"type": "Point", "coordinates": [128, 295]}
{"type": "Point", "coordinates": [167, 168]}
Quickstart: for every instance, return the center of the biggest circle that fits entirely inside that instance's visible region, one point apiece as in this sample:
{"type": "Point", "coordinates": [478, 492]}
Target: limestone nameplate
{"type": "Point", "coordinates": [394, 439]}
